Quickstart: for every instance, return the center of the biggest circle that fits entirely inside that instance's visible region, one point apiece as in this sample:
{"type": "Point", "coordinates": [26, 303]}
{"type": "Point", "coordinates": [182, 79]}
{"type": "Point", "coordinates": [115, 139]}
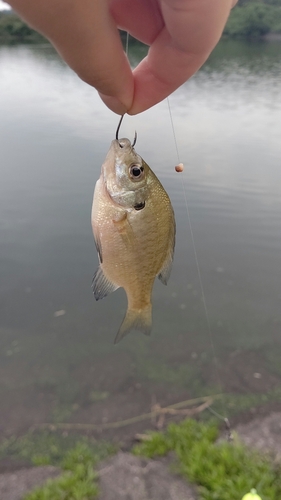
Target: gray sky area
{"type": "Point", "coordinates": [4, 5]}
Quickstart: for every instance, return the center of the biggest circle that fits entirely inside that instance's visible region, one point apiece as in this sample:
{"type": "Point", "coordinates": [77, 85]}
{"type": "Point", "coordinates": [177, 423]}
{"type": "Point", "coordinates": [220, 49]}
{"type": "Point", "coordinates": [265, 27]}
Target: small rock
{"type": "Point", "coordinates": [132, 478]}
{"type": "Point", "coordinates": [220, 269]}
{"type": "Point", "coordinates": [14, 485]}
{"type": "Point", "coordinates": [263, 433]}
{"type": "Point", "coordinates": [61, 312]}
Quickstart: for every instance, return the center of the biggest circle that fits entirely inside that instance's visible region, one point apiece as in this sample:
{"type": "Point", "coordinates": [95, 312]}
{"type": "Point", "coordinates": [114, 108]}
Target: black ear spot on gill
{"type": "Point", "coordinates": [139, 206]}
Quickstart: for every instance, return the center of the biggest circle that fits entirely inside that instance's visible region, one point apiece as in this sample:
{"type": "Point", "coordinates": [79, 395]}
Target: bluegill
{"type": "Point", "coordinates": [134, 229]}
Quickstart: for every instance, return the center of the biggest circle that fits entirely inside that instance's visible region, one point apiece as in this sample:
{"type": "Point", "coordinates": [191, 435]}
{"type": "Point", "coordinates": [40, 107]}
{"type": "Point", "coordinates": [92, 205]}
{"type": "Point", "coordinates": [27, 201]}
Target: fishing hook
{"type": "Point", "coordinates": [135, 139]}
{"type": "Point", "coordinates": [119, 125]}
{"type": "Point", "coordinates": [117, 132]}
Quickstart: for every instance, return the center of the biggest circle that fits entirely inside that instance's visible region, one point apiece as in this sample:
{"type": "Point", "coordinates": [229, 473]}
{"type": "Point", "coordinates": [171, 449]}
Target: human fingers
{"type": "Point", "coordinates": [141, 18]}
{"type": "Point", "coordinates": [191, 30]}
{"type": "Point", "coordinates": [87, 38]}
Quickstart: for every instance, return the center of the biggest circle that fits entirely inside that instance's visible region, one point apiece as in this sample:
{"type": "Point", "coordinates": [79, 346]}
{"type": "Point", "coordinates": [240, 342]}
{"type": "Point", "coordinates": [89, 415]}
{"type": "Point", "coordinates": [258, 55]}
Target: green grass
{"type": "Point", "coordinates": [219, 470]}
{"type": "Point", "coordinates": [235, 404]}
{"type": "Point", "coordinates": [78, 482]}
{"type": "Point", "coordinates": [182, 375]}
{"type": "Point", "coordinates": [77, 457]}
{"type": "Point", "coordinates": [50, 448]}
{"type": "Point", "coordinates": [222, 471]}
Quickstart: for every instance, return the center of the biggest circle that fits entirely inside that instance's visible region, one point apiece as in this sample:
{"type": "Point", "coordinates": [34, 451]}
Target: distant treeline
{"type": "Point", "coordinates": [254, 19]}
{"type": "Point", "coordinates": [249, 19]}
{"type": "Point", "coordinates": [13, 29]}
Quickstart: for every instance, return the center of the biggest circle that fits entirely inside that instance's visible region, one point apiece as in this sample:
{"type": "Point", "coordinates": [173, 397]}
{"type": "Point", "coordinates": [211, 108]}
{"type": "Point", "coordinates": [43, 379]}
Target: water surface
{"type": "Point", "coordinates": [54, 135]}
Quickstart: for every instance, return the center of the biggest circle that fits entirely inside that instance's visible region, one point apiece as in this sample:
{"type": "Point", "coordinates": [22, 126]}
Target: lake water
{"type": "Point", "coordinates": [57, 358]}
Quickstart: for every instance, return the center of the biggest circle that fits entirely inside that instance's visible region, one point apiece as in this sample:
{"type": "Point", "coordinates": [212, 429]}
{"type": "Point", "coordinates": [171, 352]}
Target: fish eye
{"type": "Point", "coordinates": [136, 171]}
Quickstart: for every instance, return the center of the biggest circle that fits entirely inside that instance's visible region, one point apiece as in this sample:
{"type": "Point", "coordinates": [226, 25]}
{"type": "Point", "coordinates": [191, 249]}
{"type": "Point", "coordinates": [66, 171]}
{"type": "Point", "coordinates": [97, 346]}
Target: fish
{"type": "Point", "coordinates": [134, 231]}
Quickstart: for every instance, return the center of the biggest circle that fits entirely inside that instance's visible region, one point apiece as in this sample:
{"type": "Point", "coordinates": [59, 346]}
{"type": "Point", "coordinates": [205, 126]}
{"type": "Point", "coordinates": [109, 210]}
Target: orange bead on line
{"type": "Point", "coordinates": [179, 167]}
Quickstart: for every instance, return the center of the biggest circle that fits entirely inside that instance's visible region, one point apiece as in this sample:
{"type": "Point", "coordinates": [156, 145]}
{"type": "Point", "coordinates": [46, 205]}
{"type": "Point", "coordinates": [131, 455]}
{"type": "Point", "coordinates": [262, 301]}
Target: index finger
{"type": "Point", "coordinates": [86, 36]}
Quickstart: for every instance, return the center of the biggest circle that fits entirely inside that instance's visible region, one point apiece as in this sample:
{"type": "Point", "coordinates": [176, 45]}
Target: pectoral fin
{"type": "Point", "coordinates": [124, 228]}
{"type": "Point", "coordinates": [101, 285]}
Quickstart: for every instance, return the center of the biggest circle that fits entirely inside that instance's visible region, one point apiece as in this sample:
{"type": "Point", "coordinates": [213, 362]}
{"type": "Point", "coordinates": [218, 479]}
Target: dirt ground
{"type": "Point", "coordinates": [125, 477]}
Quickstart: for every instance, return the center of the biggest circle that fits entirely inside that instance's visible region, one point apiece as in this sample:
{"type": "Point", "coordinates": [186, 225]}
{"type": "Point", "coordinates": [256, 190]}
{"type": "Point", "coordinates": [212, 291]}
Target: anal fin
{"type": "Point", "coordinates": [101, 285]}
{"type": "Point", "coordinates": [167, 265]}
{"type": "Point", "coordinates": [98, 246]}
{"type": "Point", "coordinates": [166, 271]}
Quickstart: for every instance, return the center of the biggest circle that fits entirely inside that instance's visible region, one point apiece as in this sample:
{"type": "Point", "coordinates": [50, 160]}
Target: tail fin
{"type": "Point", "coordinates": [135, 319]}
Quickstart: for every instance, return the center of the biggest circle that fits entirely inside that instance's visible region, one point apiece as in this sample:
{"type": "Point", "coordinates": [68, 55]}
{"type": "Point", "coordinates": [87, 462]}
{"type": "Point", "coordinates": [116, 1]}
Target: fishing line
{"type": "Point", "coordinates": [226, 421]}
{"type": "Point", "coordinates": [127, 43]}
{"type": "Point", "coordinates": [173, 129]}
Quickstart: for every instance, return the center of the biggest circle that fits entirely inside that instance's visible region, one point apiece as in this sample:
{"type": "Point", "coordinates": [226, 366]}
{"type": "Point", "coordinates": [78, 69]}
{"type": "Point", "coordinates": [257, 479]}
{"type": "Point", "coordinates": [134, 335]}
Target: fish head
{"type": "Point", "coordinates": [125, 175]}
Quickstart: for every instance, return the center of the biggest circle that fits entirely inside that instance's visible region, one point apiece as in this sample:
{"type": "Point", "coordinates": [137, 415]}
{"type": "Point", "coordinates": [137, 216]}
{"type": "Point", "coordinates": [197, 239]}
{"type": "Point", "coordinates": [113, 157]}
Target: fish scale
{"type": "Point", "coordinates": [134, 229]}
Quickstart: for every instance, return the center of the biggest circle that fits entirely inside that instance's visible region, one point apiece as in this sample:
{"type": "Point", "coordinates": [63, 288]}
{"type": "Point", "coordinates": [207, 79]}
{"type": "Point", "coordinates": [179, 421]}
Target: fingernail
{"type": "Point", "coordinates": [114, 104]}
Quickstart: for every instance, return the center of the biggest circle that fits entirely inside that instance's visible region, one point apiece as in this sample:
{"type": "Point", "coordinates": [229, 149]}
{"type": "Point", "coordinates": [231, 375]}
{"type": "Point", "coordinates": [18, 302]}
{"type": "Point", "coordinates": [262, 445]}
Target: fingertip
{"type": "Point", "coordinates": [135, 111]}
{"type": "Point", "coordinates": [114, 104]}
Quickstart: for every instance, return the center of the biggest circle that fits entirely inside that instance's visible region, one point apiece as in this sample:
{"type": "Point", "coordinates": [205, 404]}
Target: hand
{"type": "Point", "coordinates": [181, 35]}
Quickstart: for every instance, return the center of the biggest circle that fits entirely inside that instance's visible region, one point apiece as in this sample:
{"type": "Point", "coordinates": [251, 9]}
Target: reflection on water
{"type": "Point", "coordinates": [54, 134]}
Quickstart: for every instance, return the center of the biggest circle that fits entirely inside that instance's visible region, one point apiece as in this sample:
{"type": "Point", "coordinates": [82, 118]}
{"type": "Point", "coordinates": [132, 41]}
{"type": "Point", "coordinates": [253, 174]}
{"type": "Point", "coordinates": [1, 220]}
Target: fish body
{"type": "Point", "coordinates": [134, 229]}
